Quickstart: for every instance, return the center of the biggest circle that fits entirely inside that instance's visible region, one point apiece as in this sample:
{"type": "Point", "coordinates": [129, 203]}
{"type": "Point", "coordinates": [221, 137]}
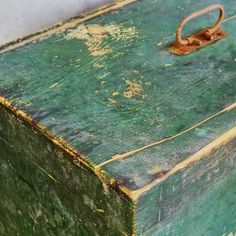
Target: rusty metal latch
{"type": "Point", "coordinates": [201, 38]}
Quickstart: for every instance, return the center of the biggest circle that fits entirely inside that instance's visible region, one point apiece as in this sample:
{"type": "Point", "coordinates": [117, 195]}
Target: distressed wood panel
{"type": "Point", "coordinates": [106, 90]}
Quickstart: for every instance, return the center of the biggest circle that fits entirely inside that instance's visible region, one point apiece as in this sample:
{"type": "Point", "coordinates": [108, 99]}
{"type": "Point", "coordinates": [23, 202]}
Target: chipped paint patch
{"type": "Point", "coordinates": [134, 89]}
{"type": "Point", "coordinates": [96, 65]}
{"type": "Point", "coordinates": [104, 75]}
{"type": "Point", "coordinates": [95, 34]}
{"type": "Point", "coordinates": [115, 93]}
{"type": "Point", "coordinates": [111, 100]}
{"type": "Point", "coordinates": [55, 85]}
{"type": "Point", "coordinates": [21, 102]}
{"type": "Point", "coordinates": [229, 234]}
{"type": "Point", "coordinates": [103, 82]}
{"type": "Point", "coordinates": [61, 27]}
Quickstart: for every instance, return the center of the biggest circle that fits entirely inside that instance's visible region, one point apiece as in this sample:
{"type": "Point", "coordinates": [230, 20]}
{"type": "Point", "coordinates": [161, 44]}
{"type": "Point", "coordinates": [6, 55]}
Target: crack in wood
{"type": "Point", "coordinates": [204, 152]}
{"type": "Point", "coordinates": [135, 151]}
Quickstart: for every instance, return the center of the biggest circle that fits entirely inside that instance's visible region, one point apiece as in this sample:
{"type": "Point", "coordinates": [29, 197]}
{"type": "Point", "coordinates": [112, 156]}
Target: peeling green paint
{"type": "Point", "coordinates": [105, 87]}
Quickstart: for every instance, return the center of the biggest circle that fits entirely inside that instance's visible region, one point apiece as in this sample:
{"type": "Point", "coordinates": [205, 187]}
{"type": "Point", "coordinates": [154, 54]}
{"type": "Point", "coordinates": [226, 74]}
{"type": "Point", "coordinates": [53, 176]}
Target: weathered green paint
{"type": "Point", "coordinates": [212, 213]}
{"type": "Point", "coordinates": [109, 86]}
{"type": "Point", "coordinates": [43, 193]}
{"type": "Point", "coordinates": [182, 187]}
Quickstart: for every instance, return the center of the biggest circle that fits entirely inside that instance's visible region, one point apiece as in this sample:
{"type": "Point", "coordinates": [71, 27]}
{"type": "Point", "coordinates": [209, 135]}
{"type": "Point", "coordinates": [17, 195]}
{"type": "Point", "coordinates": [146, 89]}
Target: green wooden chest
{"type": "Point", "coordinates": [104, 131]}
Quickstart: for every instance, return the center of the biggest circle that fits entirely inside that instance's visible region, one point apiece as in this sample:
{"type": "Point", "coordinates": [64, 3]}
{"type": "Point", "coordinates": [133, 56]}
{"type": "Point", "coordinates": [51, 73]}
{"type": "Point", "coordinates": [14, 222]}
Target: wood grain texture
{"type": "Point", "coordinates": [64, 87]}
{"type": "Point", "coordinates": [212, 213]}
{"type": "Point", "coordinates": [131, 110]}
{"type": "Point", "coordinates": [44, 193]}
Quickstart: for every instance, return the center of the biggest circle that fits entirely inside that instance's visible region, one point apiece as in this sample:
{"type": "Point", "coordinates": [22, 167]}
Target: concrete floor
{"type": "Point", "coordinates": [21, 18]}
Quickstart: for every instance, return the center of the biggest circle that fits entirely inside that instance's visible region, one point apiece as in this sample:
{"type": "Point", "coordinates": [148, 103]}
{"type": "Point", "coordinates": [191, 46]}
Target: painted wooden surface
{"type": "Point", "coordinates": [193, 219]}
{"type": "Point", "coordinates": [44, 193]}
{"type": "Point", "coordinates": [139, 117]}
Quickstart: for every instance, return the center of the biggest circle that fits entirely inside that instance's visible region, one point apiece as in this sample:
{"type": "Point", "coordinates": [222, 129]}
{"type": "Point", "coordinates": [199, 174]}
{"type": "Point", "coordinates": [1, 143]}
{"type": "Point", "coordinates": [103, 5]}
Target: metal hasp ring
{"type": "Point", "coordinates": [202, 38]}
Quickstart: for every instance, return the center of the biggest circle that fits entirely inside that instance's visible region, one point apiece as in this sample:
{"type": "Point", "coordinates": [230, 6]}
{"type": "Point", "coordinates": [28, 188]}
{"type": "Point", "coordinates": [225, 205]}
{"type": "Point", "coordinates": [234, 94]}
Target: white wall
{"type": "Point", "coordinates": [19, 18]}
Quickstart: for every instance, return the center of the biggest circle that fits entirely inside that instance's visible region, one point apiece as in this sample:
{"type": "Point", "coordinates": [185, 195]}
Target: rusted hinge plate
{"type": "Point", "coordinates": [182, 50]}
{"type": "Point", "coordinates": [201, 38]}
